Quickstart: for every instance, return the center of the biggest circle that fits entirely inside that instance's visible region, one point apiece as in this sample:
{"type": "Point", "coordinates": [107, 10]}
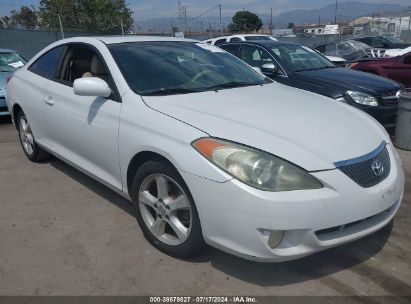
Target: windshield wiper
{"type": "Point", "coordinates": [233, 84]}
{"type": "Point", "coordinates": [172, 91]}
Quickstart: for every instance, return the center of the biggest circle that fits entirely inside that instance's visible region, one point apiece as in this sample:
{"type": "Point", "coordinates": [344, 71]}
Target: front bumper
{"type": "Point", "coordinates": [4, 110]}
{"type": "Point", "coordinates": [236, 217]}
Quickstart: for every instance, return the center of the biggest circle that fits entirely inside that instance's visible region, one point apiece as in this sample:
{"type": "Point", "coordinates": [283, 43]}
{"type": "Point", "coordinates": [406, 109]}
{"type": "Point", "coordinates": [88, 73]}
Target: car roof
{"type": "Point", "coordinates": [265, 43]}
{"type": "Point", "coordinates": [126, 39]}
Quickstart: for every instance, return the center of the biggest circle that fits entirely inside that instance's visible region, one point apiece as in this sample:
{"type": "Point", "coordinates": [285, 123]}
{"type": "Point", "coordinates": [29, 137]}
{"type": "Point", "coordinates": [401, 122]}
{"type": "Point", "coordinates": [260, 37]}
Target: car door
{"type": "Point", "coordinates": [84, 129]}
{"type": "Point", "coordinates": [40, 74]}
{"type": "Point", "coordinates": [400, 70]}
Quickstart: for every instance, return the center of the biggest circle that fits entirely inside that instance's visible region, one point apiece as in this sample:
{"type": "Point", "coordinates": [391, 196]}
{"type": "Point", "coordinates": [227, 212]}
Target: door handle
{"type": "Point", "coordinates": [49, 100]}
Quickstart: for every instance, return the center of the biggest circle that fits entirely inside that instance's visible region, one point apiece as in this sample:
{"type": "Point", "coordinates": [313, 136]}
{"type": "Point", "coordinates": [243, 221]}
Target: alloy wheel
{"type": "Point", "coordinates": [165, 209]}
{"type": "Point", "coordinates": [26, 135]}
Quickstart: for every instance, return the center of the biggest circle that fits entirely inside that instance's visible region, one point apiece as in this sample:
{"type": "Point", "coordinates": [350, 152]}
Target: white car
{"type": "Point", "coordinates": [208, 150]}
{"type": "Point", "coordinates": [238, 38]}
{"type": "Point", "coordinates": [397, 52]}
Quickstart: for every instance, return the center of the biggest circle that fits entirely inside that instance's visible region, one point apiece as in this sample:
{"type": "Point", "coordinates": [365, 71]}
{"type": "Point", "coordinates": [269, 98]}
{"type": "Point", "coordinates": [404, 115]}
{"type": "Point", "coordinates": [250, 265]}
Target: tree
{"type": "Point", "coordinates": [245, 21]}
{"type": "Point", "coordinates": [94, 16]}
{"type": "Point", "coordinates": [290, 25]}
{"type": "Point", "coordinates": [25, 17]}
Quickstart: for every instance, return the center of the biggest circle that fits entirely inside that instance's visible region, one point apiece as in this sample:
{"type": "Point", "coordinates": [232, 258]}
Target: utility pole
{"type": "Point", "coordinates": [221, 20]}
{"type": "Point", "coordinates": [61, 26]}
{"type": "Point", "coordinates": [271, 21]}
{"type": "Point", "coordinates": [122, 27]}
{"type": "Point", "coordinates": [336, 10]}
{"type": "Point", "coordinates": [185, 17]}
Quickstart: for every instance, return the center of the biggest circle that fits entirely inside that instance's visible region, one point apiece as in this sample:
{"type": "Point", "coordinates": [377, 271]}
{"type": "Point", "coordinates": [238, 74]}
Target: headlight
{"type": "Point", "coordinates": [255, 168]}
{"type": "Point", "coordinates": [363, 98]}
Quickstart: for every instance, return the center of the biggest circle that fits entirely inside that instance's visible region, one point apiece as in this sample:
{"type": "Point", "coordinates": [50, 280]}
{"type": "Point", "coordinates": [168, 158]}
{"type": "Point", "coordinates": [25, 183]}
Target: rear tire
{"type": "Point", "coordinates": [27, 141]}
{"type": "Point", "coordinates": [165, 210]}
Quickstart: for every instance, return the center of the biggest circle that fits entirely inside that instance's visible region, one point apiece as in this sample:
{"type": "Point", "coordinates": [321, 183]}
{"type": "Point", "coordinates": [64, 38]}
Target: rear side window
{"type": "Point", "coordinates": [231, 48]}
{"type": "Point", "coordinates": [235, 39]}
{"type": "Point", "coordinates": [220, 41]}
{"type": "Point", "coordinates": [48, 64]}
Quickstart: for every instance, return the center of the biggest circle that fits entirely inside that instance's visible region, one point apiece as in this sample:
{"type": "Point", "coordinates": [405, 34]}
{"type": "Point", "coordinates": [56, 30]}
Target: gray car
{"type": "Point", "coordinates": [10, 61]}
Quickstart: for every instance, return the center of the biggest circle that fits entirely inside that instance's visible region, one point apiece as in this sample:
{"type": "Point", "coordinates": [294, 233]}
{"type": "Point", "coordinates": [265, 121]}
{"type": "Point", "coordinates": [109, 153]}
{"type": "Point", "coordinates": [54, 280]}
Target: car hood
{"type": "Point", "coordinates": [348, 79]}
{"type": "Point", "coordinates": [307, 129]}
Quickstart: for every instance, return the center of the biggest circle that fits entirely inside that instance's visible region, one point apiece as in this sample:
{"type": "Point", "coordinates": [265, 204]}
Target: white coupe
{"type": "Point", "coordinates": [208, 150]}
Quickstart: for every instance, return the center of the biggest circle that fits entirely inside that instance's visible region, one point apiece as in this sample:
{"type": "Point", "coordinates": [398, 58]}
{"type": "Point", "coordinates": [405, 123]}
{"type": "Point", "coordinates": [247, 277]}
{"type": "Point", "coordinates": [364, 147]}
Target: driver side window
{"type": "Point", "coordinates": [255, 56]}
{"type": "Point", "coordinates": [81, 62]}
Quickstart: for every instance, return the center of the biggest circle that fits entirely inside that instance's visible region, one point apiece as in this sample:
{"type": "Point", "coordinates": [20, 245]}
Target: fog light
{"type": "Point", "coordinates": [275, 238]}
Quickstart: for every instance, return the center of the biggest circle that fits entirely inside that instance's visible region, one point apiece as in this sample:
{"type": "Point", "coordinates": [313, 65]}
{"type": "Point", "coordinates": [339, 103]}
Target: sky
{"type": "Point", "coordinates": [147, 9]}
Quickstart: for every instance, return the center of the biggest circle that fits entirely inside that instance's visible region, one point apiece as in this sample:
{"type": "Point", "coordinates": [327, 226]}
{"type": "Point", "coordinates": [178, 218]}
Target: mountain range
{"type": "Point", "coordinates": [346, 11]}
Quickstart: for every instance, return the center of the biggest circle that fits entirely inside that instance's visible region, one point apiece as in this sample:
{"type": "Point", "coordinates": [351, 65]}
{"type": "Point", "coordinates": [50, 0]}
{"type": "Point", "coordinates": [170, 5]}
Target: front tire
{"type": "Point", "coordinates": [27, 141]}
{"type": "Point", "coordinates": [165, 210]}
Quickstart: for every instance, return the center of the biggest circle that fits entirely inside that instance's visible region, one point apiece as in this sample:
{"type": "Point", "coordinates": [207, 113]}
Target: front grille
{"type": "Point", "coordinates": [390, 97]}
{"type": "Point", "coordinates": [4, 109]}
{"type": "Point", "coordinates": [370, 170]}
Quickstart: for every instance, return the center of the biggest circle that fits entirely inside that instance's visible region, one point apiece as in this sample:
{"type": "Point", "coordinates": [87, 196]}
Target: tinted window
{"type": "Point", "coordinates": [48, 64]}
{"type": "Point", "coordinates": [231, 48]}
{"type": "Point", "coordinates": [379, 42]}
{"type": "Point", "coordinates": [164, 68]}
{"type": "Point", "coordinates": [220, 41]}
{"type": "Point", "coordinates": [255, 56]}
{"type": "Point", "coordinates": [235, 39]}
{"type": "Point", "coordinates": [300, 58]}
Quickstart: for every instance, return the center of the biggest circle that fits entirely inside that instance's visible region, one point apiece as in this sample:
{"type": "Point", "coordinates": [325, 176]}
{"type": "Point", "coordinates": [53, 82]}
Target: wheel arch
{"type": "Point", "coordinates": [14, 112]}
{"type": "Point", "coordinates": [139, 159]}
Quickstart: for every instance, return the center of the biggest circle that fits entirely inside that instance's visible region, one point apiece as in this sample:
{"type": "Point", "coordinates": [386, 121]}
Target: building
{"type": "Point", "coordinates": [318, 29]}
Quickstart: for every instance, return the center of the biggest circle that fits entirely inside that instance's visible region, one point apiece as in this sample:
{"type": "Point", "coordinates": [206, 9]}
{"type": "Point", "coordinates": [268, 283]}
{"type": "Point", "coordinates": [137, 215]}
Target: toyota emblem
{"type": "Point", "coordinates": [378, 168]}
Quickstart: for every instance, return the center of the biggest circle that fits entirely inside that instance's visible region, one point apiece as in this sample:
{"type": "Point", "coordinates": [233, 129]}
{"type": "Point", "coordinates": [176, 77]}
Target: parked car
{"type": "Point", "coordinates": [348, 49]}
{"type": "Point", "coordinates": [10, 61]}
{"type": "Point", "coordinates": [397, 52]}
{"type": "Point", "coordinates": [238, 38]}
{"type": "Point", "coordinates": [301, 67]}
{"type": "Point", "coordinates": [383, 42]}
{"type": "Point", "coordinates": [207, 149]}
{"type": "Point", "coordinates": [396, 68]}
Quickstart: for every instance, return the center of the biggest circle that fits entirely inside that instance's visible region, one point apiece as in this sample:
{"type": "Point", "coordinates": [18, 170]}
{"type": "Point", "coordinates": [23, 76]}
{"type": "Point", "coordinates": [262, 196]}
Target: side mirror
{"type": "Point", "coordinates": [269, 68]}
{"type": "Point", "coordinates": [258, 70]}
{"type": "Point", "coordinates": [91, 86]}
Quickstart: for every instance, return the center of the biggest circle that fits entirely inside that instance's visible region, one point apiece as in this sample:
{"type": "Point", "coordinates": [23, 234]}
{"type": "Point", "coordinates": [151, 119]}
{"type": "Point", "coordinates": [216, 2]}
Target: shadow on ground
{"type": "Point", "coordinates": [349, 256]}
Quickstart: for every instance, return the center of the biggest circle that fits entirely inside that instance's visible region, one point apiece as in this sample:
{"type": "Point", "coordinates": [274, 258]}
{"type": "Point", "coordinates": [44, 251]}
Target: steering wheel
{"type": "Point", "coordinates": [201, 74]}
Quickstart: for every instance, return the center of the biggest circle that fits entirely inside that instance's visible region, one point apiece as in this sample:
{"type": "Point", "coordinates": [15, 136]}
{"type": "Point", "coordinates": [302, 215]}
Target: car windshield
{"type": "Point", "coordinates": [298, 58]}
{"type": "Point", "coordinates": [393, 39]}
{"type": "Point", "coordinates": [10, 61]}
{"type": "Point", "coordinates": [355, 44]}
{"type": "Point", "coordinates": [166, 68]}
{"type": "Point", "coordinates": [256, 38]}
